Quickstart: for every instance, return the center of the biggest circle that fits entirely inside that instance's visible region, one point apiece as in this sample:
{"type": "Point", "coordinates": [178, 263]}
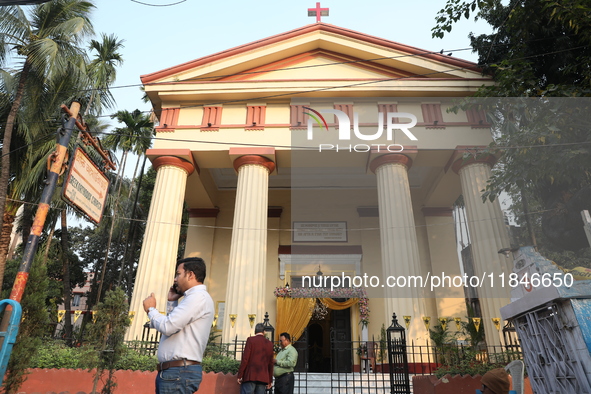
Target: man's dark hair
{"type": "Point", "coordinates": [194, 264]}
{"type": "Point", "coordinates": [259, 328]}
{"type": "Point", "coordinates": [286, 336]}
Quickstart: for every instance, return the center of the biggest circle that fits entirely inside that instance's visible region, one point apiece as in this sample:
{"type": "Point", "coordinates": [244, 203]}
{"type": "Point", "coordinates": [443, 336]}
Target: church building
{"type": "Point", "coordinates": [319, 167]}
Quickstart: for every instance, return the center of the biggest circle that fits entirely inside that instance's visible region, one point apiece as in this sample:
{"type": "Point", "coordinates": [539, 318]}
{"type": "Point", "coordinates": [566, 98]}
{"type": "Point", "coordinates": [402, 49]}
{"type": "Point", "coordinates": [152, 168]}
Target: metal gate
{"type": "Point", "coordinates": [555, 358]}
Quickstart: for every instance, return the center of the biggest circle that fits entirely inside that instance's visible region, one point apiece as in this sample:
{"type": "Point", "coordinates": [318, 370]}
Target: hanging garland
{"type": "Point", "coordinates": [316, 292]}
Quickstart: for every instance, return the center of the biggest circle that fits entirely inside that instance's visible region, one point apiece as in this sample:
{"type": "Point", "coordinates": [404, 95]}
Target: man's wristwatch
{"type": "Point", "coordinates": [150, 309]}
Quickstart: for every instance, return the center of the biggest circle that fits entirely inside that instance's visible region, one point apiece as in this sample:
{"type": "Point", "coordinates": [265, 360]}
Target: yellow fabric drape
{"type": "Point", "coordinates": [293, 315]}
{"type": "Point", "coordinates": [337, 306]}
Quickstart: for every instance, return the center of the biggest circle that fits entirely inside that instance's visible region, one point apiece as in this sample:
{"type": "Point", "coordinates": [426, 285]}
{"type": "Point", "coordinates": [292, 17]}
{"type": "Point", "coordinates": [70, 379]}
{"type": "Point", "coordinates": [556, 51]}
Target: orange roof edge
{"type": "Point", "coordinates": [148, 78]}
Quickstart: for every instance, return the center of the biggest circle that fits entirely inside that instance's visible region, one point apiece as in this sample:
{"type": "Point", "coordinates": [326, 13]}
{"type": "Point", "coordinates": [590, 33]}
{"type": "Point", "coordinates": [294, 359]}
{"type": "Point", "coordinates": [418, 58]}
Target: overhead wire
{"type": "Point", "coordinates": [328, 64]}
{"type": "Point", "coordinates": [463, 221]}
{"type": "Point", "coordinates": [159, 5]}
{"type": "Point", "coordinates": [335, 63]}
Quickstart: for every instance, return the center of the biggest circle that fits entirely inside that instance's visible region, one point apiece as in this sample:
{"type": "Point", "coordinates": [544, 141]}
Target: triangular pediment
{"type": "Point", "coordinates": [315, 59]}
{"type": "Point", "coordinates": [323, 65]}
{"type": "Point", "coordinates": [322, 44]}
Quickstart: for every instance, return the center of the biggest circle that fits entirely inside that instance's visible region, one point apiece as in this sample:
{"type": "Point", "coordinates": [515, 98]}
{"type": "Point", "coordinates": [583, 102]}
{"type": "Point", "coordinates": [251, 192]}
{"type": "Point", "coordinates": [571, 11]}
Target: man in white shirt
{"type": "Point", "coordinates": [185, 329]}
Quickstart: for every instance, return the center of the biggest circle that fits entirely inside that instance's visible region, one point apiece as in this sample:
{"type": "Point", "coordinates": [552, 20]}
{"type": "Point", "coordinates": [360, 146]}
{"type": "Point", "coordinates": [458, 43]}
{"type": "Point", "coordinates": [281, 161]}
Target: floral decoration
{"type": "Point", "coordinates": [319, 292]}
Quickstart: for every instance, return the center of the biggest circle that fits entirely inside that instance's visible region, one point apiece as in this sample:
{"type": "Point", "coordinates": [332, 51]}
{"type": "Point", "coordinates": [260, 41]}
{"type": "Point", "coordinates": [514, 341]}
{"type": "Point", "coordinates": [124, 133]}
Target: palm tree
{"type": "Point", "coordinates": [102, 71]}
{"type": "Point", "coordinates": [135, 137]}
{"type": "Point", "coordinates": [46, 41]}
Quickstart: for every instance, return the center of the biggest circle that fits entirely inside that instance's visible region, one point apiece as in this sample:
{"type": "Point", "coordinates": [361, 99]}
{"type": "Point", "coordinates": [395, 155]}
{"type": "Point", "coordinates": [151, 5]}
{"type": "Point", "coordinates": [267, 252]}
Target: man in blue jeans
{"type": "Point", "coordinates": [256, 368]}
{"type": "Point", "coordinates": [185, 329]}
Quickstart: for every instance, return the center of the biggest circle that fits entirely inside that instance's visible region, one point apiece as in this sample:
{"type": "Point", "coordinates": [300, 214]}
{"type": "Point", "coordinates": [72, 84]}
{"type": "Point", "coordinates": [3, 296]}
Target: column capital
{"type": "Point", "coordinates": [461, 163]}
{"type": "Point", "coordinates": [255, 159]}
{"type": "Point", "coordinates": [173, 161]}
{"type": "Point", "coordinates": [395, 158]}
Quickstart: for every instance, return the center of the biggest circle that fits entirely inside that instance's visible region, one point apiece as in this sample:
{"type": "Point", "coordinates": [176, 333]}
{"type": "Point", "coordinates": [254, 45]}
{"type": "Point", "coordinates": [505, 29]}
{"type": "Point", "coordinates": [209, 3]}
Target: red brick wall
{"type": "Point", "coordinates": [78, 381]}
{"type": "Point", "coordinates": [429, 384]}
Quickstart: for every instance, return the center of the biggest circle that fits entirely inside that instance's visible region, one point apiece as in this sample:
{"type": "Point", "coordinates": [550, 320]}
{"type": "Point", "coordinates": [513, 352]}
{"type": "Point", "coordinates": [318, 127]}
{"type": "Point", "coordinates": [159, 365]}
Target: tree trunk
{"type": "Point", "coordinates": [48, 242]}
{"type": "Point", "coordinates": [113, 219]}
{"type": "Point", "coordinates": [7, 225]}
{"type": "Point", "coordinates": [5, 171]}
{"type": "Point", "coordinates": [133, 177]}
{"type": "Point", "coordinates": [10, 121]}
{"type": "Point", "coordinates": [66, 280]}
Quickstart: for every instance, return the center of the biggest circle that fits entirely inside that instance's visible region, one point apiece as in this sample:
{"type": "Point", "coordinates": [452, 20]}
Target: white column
{"type": "Point", "coordinates": [400, 252]}
{"type": "Point", "coordinates": [488, 235]}
{"type": "Point", "coordinates": [248, 250]}
{"type": "Point", "coordinates": [157, 262]}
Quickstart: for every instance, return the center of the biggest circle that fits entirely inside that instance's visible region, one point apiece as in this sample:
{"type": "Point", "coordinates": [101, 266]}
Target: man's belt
{"type": "Point", "coordinates": [285, 374]}
{"type": "Point", "coordinates": [176, 363]}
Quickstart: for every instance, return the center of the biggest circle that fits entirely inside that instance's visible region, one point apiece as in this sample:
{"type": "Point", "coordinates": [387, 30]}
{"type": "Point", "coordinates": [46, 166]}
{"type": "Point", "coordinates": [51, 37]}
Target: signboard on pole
{"type": "Point", "coordinates": [86, 186]}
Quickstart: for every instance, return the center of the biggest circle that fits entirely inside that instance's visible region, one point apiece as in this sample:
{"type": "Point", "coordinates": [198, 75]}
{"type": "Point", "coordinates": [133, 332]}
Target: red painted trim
{"type": "Point", "coordinates": [461, 163]}
{"type": "Point", "coordinates": [184, 154]}
{"type": "Point", "coordinates": [203, 212]}
{"type": "Point", "coordinates": [308, 80]}
{"type": "Point", "coordinates": [212, 115]}
{"type": "Point", "coordinates": [255, 117]}
{"type": "Point", "coordinates": [152, 77]}
{"type": "Point", "coordinates": [437, 211]}
{"type": "Point", "coordinates": [395, 158]}
{"type": "Point", "coordinates": [173, 161]}
{"type": "Point", "coordinates": [226, 126]}
{"type": "Point", "coordinates": [241, 151]}
{"type": "Point", "coordinates": [254, 159]}
{"type": "Point", "coordinates": [321, 249]}
{"type": "Point", "coordinates": [432, 113]}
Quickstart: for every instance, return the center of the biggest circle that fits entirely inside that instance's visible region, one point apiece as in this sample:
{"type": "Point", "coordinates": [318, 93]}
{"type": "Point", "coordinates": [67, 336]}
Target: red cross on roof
{"type": "Point", "coordinates": [318, 12]}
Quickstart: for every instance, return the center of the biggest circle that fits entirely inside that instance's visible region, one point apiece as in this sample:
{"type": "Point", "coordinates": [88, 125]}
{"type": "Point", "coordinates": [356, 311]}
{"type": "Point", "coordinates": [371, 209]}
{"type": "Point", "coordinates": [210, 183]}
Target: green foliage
{"type": "Point", "coordinates": [220, 364]}
{"type": "Point", "coordinates": [539, 48]}
{"type": "Point", "coordinates": [106, 334]}
{"type": "Point", "coordinates": [55, 354]}
{"type": "Point", "coordinates": [217, 350]}
{"type": "Point", "coordinates": [468, 362]}
{"type": "Point", "coordinates": [441, 336]}
{"type": "Point", "coordinates": [136, 361]}
{"type": "Point", "coordinates": [383, 350]}
{"type": "Point", "coordinates": [31, 330]}
{"type": "Point", "coordinates": [217, 357]}
{"type": "Point", "coordinates": [473, 335]}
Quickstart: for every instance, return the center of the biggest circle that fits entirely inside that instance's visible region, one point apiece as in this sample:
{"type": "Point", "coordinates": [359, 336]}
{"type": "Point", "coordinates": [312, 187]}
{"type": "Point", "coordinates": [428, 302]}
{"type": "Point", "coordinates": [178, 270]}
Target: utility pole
{"type": "Point", "coordinates": [57, 161]}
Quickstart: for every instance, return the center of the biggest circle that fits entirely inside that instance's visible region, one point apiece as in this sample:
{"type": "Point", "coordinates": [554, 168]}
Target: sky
{"type": "Point", "coordinates": [158, 37]}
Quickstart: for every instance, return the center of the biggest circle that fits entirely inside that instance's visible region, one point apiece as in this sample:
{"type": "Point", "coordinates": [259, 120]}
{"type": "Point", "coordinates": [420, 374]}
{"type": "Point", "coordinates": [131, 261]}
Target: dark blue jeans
{"type": "Point", "coordinates": [284, 384]}
{"type": "Point", "coordinates": [252, 388]}
{"type": "Point", "coordinates": [179, 380]}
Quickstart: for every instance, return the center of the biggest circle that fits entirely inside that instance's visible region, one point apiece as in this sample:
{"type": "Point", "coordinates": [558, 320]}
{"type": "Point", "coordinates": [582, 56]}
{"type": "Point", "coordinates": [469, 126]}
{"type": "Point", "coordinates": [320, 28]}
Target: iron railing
{"type": "Point", "coordinates": [364, 364]}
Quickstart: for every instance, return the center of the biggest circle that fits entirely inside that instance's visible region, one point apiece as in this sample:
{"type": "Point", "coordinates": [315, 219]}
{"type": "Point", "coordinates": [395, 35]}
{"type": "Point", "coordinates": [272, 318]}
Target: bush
{"type": "Point", "coordinates": [470, 363]}
{"type": "Point", "coordinates": [220, 364]}
{"type": "Point", "coordinates": [135, 361]}
{"type": "Point", "coordinates": [55, 354]}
